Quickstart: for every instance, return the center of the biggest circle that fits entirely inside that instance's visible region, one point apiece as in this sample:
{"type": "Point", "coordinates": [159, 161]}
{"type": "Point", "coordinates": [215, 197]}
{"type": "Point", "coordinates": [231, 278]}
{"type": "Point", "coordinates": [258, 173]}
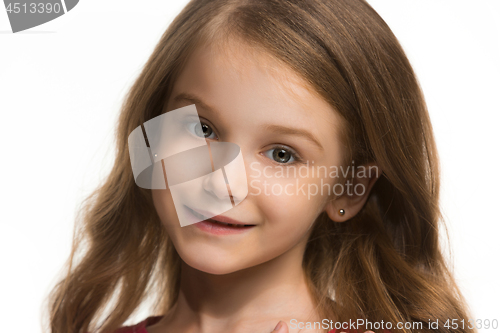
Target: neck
{"type": "Point", "coordinates": [265, 293]}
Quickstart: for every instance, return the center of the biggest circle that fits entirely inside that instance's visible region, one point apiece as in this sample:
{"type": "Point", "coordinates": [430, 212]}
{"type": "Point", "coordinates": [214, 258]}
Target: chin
{"type": "Point", "coordinates": [215, 269]}
{"type": "Point", "coordinates": [212, 263]}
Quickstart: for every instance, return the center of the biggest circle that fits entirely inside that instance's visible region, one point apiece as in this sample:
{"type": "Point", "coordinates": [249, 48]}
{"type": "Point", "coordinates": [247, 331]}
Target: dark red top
{"type": "Point", "coordinates": [141, 327]}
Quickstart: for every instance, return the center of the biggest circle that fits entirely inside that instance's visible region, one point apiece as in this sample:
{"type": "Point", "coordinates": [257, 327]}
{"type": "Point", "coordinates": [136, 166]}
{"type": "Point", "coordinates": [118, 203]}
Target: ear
{"type": "Point", "coordinates": [355, 193]}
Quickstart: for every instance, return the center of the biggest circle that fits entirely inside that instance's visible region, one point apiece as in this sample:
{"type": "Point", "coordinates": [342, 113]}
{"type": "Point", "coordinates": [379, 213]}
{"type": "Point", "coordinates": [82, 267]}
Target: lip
{"type": "Point", "coordinates": [210, 225]}
{"type": "Point", "coordinates": [219, 218]}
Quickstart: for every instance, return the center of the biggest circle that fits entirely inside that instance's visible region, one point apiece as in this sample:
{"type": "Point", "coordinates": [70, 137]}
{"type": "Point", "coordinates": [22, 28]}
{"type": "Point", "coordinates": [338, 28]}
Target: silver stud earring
{"type": "Point", "coordinates": [341, 212]}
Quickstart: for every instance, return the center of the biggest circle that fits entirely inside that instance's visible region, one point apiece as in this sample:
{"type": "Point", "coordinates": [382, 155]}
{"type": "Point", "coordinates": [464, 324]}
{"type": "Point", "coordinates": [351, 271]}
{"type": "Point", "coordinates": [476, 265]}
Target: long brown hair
{"type": "Point", "coordinates": [384, 264]}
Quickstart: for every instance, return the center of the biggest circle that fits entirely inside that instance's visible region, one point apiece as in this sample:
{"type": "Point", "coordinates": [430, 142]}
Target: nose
{"type": "Point", "coordinates": [216, 184]}
{"type": "Point", "coordinates": [228, 181]}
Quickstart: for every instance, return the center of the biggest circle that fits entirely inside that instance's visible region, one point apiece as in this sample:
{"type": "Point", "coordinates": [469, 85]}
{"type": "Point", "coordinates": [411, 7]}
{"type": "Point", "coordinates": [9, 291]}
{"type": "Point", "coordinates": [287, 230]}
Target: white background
{"type": "Point", "coordinates": [62, 83]}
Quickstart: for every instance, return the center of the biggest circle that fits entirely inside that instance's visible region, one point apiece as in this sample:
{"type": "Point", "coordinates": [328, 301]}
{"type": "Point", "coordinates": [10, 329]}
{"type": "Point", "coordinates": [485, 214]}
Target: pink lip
{"type": "Point", "coordinates": [220, 229]}
{"type": "Point", "coordinates": [209, 225]}
{"type": "Point", "coordinates": [219, 218]}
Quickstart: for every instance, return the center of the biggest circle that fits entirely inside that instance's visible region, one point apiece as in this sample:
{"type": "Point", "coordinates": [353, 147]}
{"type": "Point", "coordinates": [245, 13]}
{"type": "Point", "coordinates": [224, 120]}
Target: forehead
{"type": "Point", "coordinates": [252, 87]}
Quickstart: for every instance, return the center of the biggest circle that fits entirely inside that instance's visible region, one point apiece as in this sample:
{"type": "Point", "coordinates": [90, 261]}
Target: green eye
{"type": "Point", "coordinates": [281, 155]}
{"type": "Point", "coordinates": [202, 130]}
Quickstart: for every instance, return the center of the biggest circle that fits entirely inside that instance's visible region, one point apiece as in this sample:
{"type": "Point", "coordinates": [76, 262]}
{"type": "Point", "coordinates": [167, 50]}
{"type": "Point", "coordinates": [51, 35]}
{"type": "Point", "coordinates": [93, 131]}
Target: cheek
{"type": "Point", "coordinates": [295, 199]}
{"type": "Point", "coordinates": [289, 207]}
{"type": "Point", "coordinates": [165, 208]}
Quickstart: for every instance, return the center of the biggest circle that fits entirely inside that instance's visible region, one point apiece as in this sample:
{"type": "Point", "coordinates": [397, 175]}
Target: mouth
{"type": "Point", "coordinates": [219, 221]}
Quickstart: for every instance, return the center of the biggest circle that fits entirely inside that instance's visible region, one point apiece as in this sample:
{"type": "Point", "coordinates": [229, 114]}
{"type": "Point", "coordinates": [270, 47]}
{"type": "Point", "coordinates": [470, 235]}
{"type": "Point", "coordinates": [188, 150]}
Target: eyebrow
{"type": "Point", "coordinates": [294, 131]}
{"type": "Point", "coordinates": [275, 128]}
{"type": "Point", "coordinates": [193, 99]}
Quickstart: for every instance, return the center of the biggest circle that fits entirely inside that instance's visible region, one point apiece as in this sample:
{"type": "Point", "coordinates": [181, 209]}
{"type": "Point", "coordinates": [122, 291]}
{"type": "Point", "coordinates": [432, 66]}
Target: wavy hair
{"type": "Point", "coordinates": [384, 264]}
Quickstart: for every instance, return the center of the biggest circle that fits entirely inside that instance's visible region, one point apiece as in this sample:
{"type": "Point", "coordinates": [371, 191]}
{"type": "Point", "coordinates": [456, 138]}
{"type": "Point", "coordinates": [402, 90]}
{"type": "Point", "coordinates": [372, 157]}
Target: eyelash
{"type": "Point", "coordinates": [202, 122]}
{"type": "Point", "coordinates": [296, 157]}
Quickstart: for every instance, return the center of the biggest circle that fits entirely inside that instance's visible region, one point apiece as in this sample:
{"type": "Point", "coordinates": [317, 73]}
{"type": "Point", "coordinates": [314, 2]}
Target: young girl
{"type": "Point", "coordinates": [309, 90]}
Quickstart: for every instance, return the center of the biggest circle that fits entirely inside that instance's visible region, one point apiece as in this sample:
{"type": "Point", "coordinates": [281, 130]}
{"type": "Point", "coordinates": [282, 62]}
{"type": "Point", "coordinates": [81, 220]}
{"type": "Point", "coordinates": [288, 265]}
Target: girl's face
{"type": "Point", "coordinates": [285, 132]}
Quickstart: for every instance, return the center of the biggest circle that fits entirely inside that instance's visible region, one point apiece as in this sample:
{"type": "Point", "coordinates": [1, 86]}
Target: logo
{"type": "Point", "coordinates": [24, 15]}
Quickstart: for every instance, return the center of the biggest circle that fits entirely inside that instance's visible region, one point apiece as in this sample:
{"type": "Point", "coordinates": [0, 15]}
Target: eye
{"type": "Point", "coordinates": [282, 155]}
{"type": "Point", "coordinates": [202, 130]}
